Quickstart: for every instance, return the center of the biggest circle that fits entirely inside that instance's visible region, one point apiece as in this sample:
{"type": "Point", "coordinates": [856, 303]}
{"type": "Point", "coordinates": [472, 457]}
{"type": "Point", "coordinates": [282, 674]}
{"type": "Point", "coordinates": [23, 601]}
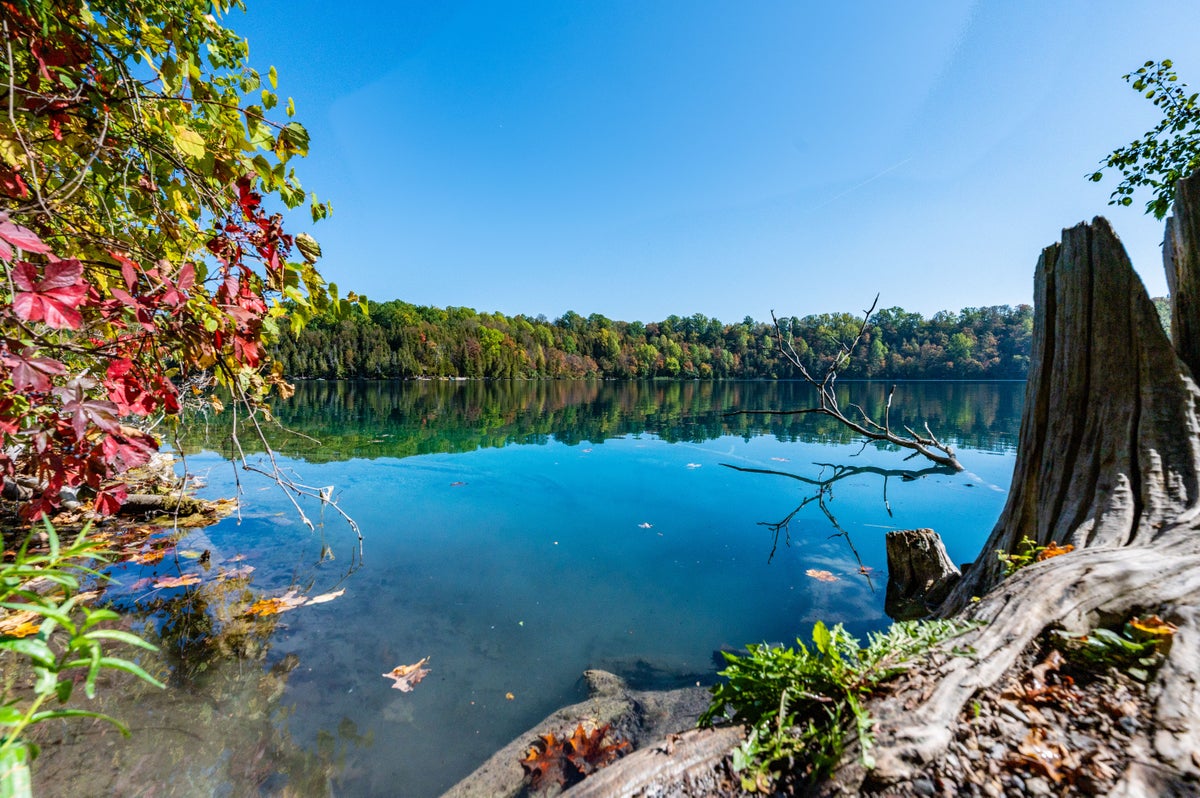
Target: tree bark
{"type": "Point", "coordinates": [920, 574]}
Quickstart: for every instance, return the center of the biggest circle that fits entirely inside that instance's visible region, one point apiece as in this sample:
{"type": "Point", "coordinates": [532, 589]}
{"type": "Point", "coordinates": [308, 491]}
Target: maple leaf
{"type": "Point", "coordinates": [177, 581]}
{"type": "Point", "coordinates": [54, 298]}
{"type": "Point", "coordinates": [405, 677]}
{"type": "Point", "coordinates": [821, 576]}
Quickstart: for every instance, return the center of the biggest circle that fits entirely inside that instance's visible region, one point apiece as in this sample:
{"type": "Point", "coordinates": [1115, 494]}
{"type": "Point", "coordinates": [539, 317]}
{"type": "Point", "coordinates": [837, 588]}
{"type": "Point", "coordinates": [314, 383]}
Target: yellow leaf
{"type": "Point", "coordinates": [189, 142]}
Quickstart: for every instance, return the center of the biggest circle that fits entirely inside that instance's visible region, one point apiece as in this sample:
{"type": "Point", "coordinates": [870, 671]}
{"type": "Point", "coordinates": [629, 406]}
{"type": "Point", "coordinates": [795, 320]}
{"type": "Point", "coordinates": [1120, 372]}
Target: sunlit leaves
{"type": "Point", "coordinates": [1164, 154]}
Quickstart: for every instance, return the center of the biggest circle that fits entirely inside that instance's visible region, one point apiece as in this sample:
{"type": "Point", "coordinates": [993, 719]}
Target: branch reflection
{"type": "Point", "coordinates": [827, 477]}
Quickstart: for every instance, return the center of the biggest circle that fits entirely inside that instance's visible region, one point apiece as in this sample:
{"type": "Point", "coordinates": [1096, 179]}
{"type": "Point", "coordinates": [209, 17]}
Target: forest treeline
{"type": "Point", "coordinates": [397, 340]}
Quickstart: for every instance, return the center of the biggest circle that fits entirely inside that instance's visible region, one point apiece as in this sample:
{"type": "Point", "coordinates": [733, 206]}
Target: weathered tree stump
{"type": "Point", "coordinates": [920, 574]}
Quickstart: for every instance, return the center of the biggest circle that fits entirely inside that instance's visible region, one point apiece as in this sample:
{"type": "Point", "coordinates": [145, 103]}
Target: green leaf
{"type": "Point", "coordinates": [273, 77]}
{"type": "Point", "coordinates": [120, 636]}
{"type": "Point", "coordinates": [10, 715]}
{"type": "Point", "coordinates": [32, 647]}
{"type": "Point", "coordinates": [821, 638]}
{"type": "Point", "coordinates": [80, 713]}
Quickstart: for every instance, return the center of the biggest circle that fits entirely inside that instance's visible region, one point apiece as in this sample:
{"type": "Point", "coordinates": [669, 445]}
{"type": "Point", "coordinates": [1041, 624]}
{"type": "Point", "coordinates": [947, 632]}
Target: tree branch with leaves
{"type": "Point", "coordinates": [138, 161]}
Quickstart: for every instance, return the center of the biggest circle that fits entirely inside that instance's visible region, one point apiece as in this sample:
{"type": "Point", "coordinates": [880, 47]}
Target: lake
{"type": "Point", "coordinates": [516, 534]}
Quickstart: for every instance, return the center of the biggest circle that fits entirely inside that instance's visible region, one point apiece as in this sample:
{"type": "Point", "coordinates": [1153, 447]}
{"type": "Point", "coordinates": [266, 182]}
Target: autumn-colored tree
{"type": "Point", "coordinates": [139, 160]}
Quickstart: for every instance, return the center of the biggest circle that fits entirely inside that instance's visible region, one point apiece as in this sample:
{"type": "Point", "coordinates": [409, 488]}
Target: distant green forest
{"type": "Point", "coordinates": [397, 340]}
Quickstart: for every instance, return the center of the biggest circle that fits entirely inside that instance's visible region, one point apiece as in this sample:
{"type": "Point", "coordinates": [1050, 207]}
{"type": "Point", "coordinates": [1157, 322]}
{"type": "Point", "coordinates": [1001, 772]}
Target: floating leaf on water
{"type": "Point", "coordinates": [645, 525]}
{"type": "Point", "coordinates": [149, 557]}
{"type": "Point", "coordinates": [509, 696]}
{"type": "Point", "coordinates": [177, 581]}
{"type": "Point", "coordinates": [191, 554]}
{"type": "Point", "coordinates": [405, 677]}
{"type": "Point", "coordinates": [457, 484]}
{"type": "Point", "coordinates": [236, 573]}
{"type": "Point", "coordinates": [324, 597]}
{"type": "Point", "coordinates": [821, 576]}
{"type": "Point", "coordinates": [273, 606]}
{"type": "Point", "coordinates": [693, 465]}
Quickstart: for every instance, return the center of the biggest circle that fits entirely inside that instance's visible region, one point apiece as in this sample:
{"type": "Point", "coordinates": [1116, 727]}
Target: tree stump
{"type": "Point", "coordinates": [920, 574]}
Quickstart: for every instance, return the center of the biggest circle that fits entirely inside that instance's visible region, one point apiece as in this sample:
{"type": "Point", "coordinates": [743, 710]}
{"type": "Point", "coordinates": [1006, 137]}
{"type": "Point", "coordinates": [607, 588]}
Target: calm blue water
{"type": "Point", "coordinates": [549, 530]}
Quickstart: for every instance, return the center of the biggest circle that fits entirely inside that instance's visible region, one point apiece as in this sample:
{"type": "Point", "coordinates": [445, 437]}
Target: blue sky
{"type": "Point", "coordinates": [644, 158]}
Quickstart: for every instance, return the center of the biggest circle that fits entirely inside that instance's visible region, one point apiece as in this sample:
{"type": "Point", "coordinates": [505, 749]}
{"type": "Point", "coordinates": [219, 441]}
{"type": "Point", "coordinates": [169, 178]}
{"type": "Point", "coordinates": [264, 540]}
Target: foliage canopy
{"type": "Point", "coordinates": [137, 158]}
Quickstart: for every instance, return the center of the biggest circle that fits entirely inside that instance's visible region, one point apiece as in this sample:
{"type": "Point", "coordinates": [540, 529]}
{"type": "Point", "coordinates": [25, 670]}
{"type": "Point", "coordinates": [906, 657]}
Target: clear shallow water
{"type": "Point", "coordinates": [549, 528]}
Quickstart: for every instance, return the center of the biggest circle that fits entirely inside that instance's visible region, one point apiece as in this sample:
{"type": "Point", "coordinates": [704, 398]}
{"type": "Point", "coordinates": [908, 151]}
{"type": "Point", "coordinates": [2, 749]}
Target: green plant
{"type": "Point", "coordinates": [1027, 551]}
{"type": "Point", "coordinates": [1167, 152]}
{"type": "Point", "coordinates": [802, 704]}
{"type": "Point", "coordinates": [1129, 650]}
{"type": "Point", "coordinates": [60, 639]}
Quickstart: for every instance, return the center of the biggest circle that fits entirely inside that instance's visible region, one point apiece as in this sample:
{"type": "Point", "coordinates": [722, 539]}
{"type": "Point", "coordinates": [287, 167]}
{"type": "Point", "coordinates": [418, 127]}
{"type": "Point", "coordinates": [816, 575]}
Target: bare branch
{"type": "Point", "coordinates": [927, 446]}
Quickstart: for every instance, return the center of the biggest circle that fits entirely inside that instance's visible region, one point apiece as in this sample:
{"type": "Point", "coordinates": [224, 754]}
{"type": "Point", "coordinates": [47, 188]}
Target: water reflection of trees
{"type": "Point", "coordinates": [401, 419]}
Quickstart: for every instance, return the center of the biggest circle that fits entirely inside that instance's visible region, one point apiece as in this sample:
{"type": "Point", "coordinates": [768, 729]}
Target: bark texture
{"type": "Point", "coordinates": [1109, 450]}
{"type": "Point", "coordinates": [920, 574]}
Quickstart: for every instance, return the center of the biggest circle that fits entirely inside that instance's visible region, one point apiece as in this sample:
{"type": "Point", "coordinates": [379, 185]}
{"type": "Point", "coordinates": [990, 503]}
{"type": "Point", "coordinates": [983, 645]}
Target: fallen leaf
{"type": "Point", "coordinates": [1054, 550]}
{"type": "Point", "coordinates": [588, 752]}
{"type": "Point", "coordinates": [236, 573]}
{"type": "Point", "coordinates": [821, 576]}
{"type": "Point", "coordinates": [324, 597]}
{"type": "Point", "coordinates": [1153, 628]}
{"type": "Point", "coordinates": [189, 554]}
{"type": "Point", "coordinates": [407, 676]}
{"type": "Point", "coordinates": [177, 581]}
{"type": "Point", "coordinates": [149, 557]}
{"type": "Point", "coordinates": [20, 624]}
{"type": "Point", "coordinates": [509, 696]}
{"type": "Point", "coordinates": [544, 762]}
{"type": "Point", "coordinates": [273, 606]}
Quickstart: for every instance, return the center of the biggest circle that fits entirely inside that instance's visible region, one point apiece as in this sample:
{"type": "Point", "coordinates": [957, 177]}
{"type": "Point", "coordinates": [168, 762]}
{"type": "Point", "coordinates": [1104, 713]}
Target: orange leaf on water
{"type": "Point", "coordinates": [405, 677]}
{"type": "Point", "coordinates": [821, 576]}
{"type": "Point", "coordinates": [273, 606]}
{"type": "Point", "coordinates": [177, 581]}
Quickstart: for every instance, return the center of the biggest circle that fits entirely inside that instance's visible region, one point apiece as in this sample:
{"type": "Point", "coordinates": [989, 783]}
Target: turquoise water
{"type": "Point", "coordinates": [551, 528]}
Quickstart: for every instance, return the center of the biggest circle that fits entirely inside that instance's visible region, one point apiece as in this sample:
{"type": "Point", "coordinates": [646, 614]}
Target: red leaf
{"type": "Point", "coordinates": [109, 500]}
{"type": "Point", "coordinates": [32, 373]}
{"type": "Point", "coordinates": [54, 298]}
{"type": "Point", "coordinates": [14, 235]}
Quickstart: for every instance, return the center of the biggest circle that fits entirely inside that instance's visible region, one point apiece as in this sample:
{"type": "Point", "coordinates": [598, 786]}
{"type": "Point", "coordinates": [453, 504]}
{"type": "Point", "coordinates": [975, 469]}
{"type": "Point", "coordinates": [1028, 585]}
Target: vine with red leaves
{"type": "Point", "coordinates": [136, 164]}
